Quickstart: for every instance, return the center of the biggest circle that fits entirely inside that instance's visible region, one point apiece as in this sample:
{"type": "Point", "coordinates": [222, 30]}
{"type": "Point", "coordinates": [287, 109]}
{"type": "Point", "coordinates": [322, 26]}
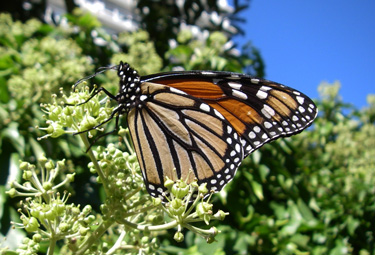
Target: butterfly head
{"type": "Point", "coordinates": [129, 86]}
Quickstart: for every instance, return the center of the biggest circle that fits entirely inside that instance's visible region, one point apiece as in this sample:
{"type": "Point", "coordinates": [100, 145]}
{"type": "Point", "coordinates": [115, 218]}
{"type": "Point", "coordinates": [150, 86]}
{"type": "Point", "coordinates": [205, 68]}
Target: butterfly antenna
{"type": "Point", "coordinates": [99, 71]}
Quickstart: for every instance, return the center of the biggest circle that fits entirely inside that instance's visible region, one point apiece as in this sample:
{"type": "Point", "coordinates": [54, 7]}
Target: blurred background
{"type": "Point", "coordinates": [309, 194]}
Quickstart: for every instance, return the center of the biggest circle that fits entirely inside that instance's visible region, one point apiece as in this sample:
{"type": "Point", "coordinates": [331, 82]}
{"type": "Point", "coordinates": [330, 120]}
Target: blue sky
{"type": "Point", "coordinates": [306, 42]}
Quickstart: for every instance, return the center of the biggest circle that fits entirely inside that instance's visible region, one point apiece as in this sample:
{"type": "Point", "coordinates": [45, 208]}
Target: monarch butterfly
{"type": "Point", "coordinates": [205, 122]}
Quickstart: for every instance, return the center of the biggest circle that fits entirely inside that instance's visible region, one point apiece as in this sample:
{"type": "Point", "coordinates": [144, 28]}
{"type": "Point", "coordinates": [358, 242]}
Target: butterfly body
{"type": "Point", "coordinates": [201, 124]}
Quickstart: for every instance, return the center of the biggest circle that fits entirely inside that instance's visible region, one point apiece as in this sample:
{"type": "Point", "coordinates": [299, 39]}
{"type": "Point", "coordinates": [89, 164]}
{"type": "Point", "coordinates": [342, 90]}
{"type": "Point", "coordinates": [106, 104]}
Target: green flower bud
{"type": "Point", "coordinates": [50, 215]}
{"type": "Point", "coordinates": [49, 165]}
{"type": "Point", "coordinates": [37, 238]}
{"type": "Point", "coordinates": [211, 237]}
{"type": "Point", "coordinates": [179, 237]}
{"type": "Point", "coordinates": [123, 132]}
{"type": "Point", "coordinates": [168, 183]}
{"type": "Point", "coordinates": [35, 212]}
{"type": "Point", "coordinates": [88, 123]}
{"type": "Point", "coordinates": [204, 211]}
{"type": "Point", "coordinates": [145, 240]}
{"type": "Point", "coordinates": [203, 188]}
{"type": "Point", "coordinates": [25, 166]}
{"type": "Point", "coordinates": [70, 177]}
{"type": "Point", "coordinates": [156, 201]}
{"type": "Point", "coordinates": [89, 219]}
{"type": "Point", "coordinates": [64, 227]}
{"type": "Point", "coordinates": [180, 189]}
{"type": "Point", "coordinates": [87, 209]}
{"type": "Point", "coordinates": [12, 192]}
{"type": "Point", "coordinates": [220, 215]}
{"type": "Point", "coordinates": [31, 224]}
{"type": "Point", "coordinates": [42, 160]}
{"type": "Point", "coordinates": [133, 158]}
{"type": "Point", "coordinates": [177, 207]}
{"type": "Point", "coordinates": [55, 130]}
{"type": "Point", "coordinates": [84, 231]}
{"type": "Point", "coordinates": [54, 113]}
{"type": "Point", "coordinates": [75, 211]}
{"type": "Point", "coordinates": [27, 175]}
{"type": "Point", "coordinates": [59, 208]}
{"type": "Point", "coordinates": [47, 186]}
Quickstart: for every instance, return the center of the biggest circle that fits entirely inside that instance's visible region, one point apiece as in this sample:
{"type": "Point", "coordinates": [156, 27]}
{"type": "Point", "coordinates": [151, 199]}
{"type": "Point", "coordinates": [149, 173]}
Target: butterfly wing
{"type": "Point", "coordinates": [180, 136]}
{"type": "Point", "coordinates": [259, 110]}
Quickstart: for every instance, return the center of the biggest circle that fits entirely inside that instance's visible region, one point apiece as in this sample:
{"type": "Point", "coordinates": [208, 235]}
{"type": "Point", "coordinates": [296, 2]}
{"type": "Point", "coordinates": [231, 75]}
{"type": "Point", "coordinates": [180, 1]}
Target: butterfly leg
{"type": "Point", "coordinates": [105, 121]}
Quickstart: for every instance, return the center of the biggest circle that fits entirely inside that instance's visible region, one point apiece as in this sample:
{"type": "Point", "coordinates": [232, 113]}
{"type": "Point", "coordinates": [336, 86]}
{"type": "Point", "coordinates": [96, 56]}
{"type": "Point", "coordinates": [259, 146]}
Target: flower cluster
{"type": "Point", "coordinates": [74, 114]}
{"type": "Point", "coordinates": [187, 205]}
{"type": "Point", "coordinates": [45, 213]}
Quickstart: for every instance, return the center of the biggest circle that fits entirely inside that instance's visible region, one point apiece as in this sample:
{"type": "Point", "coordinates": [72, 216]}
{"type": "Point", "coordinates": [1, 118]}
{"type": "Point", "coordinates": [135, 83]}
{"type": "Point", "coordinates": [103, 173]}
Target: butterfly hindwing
{"type": "Point", "coordinates": [173, 131]}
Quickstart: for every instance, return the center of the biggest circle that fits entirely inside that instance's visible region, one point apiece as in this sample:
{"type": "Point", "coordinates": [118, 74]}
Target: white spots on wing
{"type": "Point", "coordinates": [295, 118]}
{"type": "Point", "coordinates": [301, 109]}
{"type": "Point", "coordinates": [205, 107]}
{"type": "Point", "coordinates": [238, 148]}
{"type": "Point", "coordinates": [267, 124]}
{"type": "Point", "coordinates": [229, 129]}
{"type": "Point", "coordinates": [300, 99]}
{"type": "Point", "coordinates": [261, 94]}
{"type": "Point", "coordinates": [177, 91]}
{"type": "Point", "coordinates": [265, 88]}
{"type": "Point", "coordinates": [208, 73]}
{"type": "Point", "coordinates": [254, 80]}
{"type": "Point", "coordinates": [256, 129]}
{"type": "Point", "coordinates": [235, 85]}
{"type": "Point", "coordinates": [252, 135]}
{"type": "Point", "coordinates": [267, 111]}
{"type": "Point", "coordinates": [239, 94]}
{"type": "Point", "coordinates": [142, 98]}
{"type": "Point", "coordinates": [233, 153]}
{"type": "Point", "coordinates": [296, 93]}
{"type": "Point", "coordinates": [213, 181]}
{"type": "Point", "coordinates": [151, 187]}
{"type": "Point", "coordinates": [229, 140]}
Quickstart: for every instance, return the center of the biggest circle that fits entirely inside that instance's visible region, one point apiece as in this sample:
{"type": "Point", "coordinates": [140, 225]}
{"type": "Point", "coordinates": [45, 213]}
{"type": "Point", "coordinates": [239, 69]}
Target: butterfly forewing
{"type": "Point", "coordinates": [259, 110]}
{"type": "Point", "coordinates": [180, 136]}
